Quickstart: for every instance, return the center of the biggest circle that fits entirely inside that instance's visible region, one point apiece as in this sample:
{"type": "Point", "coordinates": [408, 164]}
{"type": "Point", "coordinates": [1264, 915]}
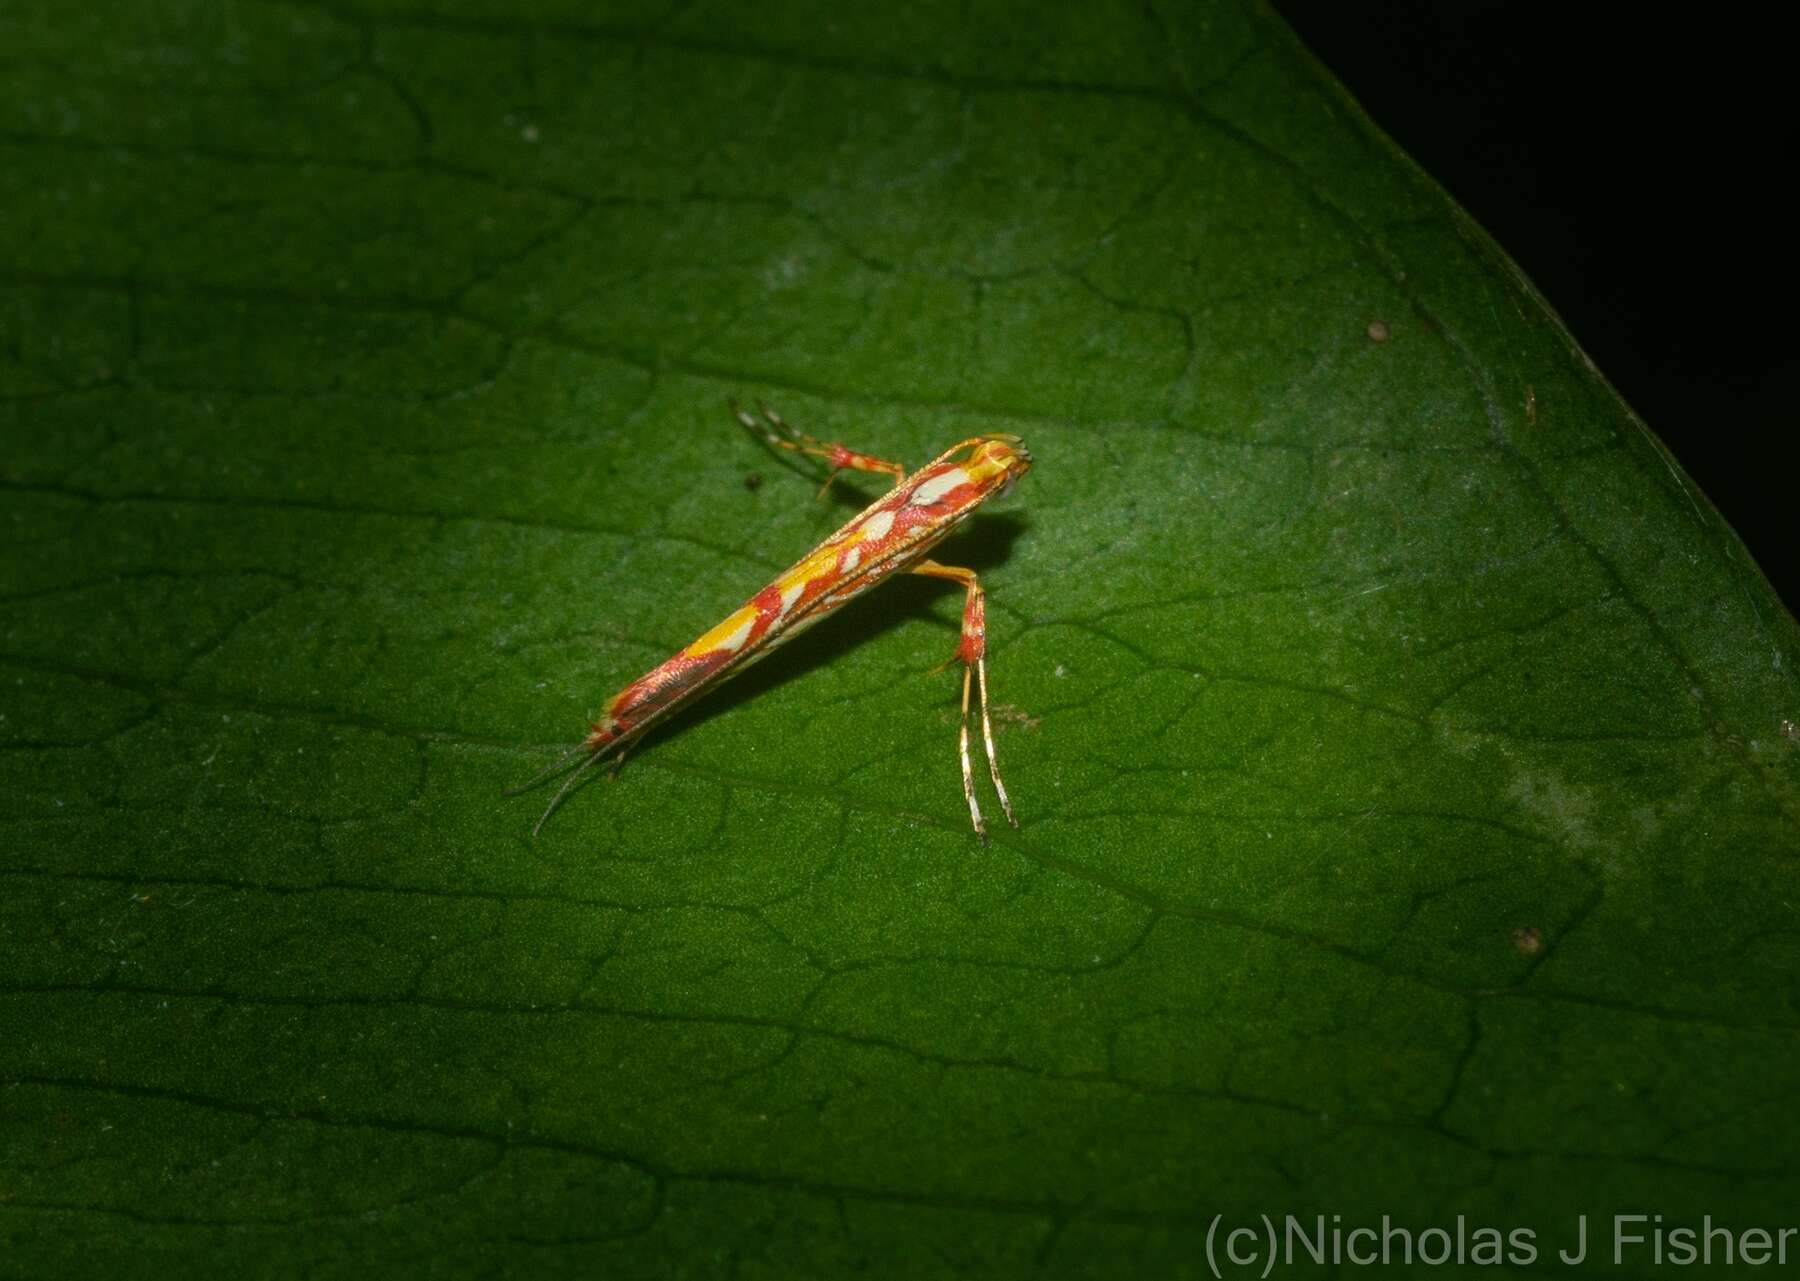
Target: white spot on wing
{"type": "Point", "coordinates": [789, 595]}
{"type": "Point", "coordinates": [878, 525]}
{"type": "Point", "coordinates": [783, 637]}
{"type": "Point", "coordinates": [937, 487]}
{"type": "Point", "coordinates": [852, 558]}
{"type": "Point", "coordinates": [735, 641]}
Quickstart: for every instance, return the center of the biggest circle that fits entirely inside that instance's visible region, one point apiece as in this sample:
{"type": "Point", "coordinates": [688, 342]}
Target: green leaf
{"type": "Point", "coordinates": [1406, 752]}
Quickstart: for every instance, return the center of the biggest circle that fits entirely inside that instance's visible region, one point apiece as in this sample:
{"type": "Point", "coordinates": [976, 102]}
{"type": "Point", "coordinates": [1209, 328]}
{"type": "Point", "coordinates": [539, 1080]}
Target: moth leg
{"type": "Point", "coordinates": [972, 651]}
{"type": "Point", "coordinates": [775, 431]}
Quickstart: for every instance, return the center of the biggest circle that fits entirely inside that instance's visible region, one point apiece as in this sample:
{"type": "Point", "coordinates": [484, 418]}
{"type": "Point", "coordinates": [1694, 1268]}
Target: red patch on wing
{"type": "Point", "coordinates": [663, 686]}
{"type": "Point", "coordinates": [768, 604]}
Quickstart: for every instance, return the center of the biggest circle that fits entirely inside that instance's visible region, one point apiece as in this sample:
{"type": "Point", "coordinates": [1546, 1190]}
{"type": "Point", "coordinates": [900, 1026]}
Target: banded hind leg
{"type": "Point", "coordinates": [972, 652]}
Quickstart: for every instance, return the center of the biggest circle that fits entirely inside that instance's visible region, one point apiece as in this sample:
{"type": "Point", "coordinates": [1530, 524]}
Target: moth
{"type": "Point", "coordinates": [892, 535]}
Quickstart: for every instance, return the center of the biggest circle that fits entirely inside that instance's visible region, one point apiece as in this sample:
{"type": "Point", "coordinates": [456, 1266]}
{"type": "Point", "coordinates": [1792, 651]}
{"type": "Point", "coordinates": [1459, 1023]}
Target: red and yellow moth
{"type": "Point", "coordinates": [890, 536]}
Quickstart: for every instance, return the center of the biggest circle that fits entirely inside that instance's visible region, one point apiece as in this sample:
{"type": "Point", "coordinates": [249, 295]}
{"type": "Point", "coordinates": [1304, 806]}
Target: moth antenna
{"type": "Point", "coordinates": [551, 770]}
{"type": "Point", "coordinates": [567, 787]}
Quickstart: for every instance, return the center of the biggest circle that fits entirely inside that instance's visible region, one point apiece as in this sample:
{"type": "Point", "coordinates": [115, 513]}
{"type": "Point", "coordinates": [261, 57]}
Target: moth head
{"type": "Point", "coordinates": [1003, 456]}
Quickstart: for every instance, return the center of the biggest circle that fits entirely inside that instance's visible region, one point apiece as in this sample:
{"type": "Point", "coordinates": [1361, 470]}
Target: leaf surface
{"type": "Point", "coordinates": [1406, 751]}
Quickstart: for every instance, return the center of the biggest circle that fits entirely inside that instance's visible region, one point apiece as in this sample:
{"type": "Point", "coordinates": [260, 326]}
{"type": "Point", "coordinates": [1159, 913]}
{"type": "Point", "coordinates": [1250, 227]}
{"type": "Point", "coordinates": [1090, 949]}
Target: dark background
{"type": "Point", "coordinates": [1627, 160]}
